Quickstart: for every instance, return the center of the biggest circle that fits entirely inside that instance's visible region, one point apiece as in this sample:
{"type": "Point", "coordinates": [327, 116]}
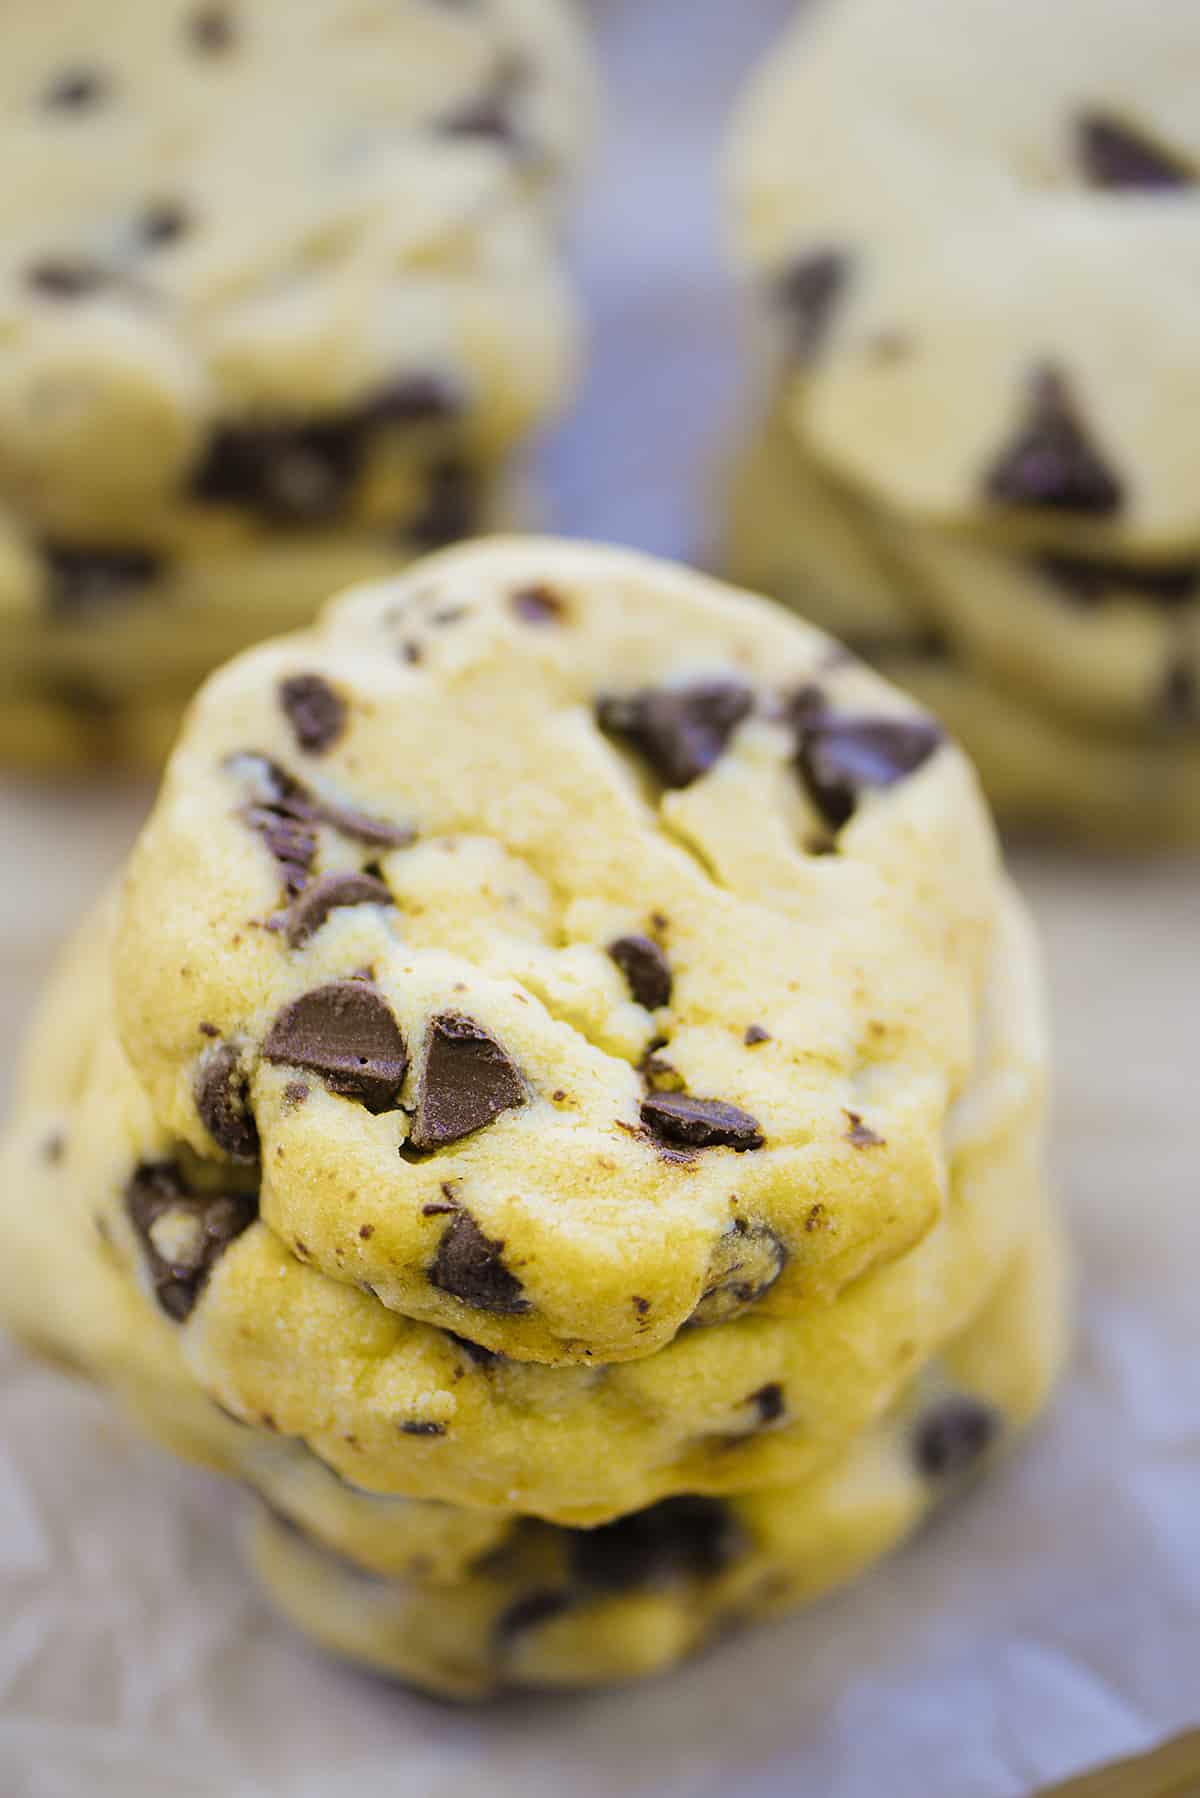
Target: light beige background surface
{"type": "Point", "coordinates": [1051, 1623]}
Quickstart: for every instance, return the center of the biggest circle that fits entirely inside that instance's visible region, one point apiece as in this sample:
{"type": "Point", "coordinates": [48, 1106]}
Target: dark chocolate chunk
{"type": "Point", "coordinates": [950, 1440]}
{"type": "Point", "coordinates": [75, 90]}
{"type": "Point", "coordinates": [860, 1134]}
{"type": "Point", "coordinates": [469, 1266]}
{"type": "Point", "coordinates": [1087, 580]}
{"type": "Point", "coordinates": [807, 293]}
{"type": "Point", "coordinates": [678, 1538]}
{"type": "Point", "coordinates": [315, 710]}
{"type": "Point", "coordinates": [345, 1033]}
{"type": "Point", "coordinates": [94, 577]}
{"type": "Point", "coordinates": [700, 1123]}
{"type": "Point", "coordinates": [282, 812]}
{"type": "Point", "coordinates": [221, 1090]}
{"type": "Point", "coordinates": [305, 916]}
{"type": "Point", "coordinates": [210, 28]}
{"type": "Point", "coordinates": [491, 112]}
{"type": "Point", "coordinates": [747, 1261]}
{"type": "Point", "coordinates": [417, 1427]}
{"type": "Point", "coordinates": [1051, 465]}
{"type": "Point", "coordinates": [452, 505]}
{"type": "Point", "coordinates": [755, 1034]}
{"type": "Point", "coordinates": [646, 969]}
{"type": "Point", "coordinates": [288, 473]}
{"type": "Point", "coordinates": [769, 1402]}
{"type": "Point", "coordinates": [182, 1233]}
{"type": "Point", "coordinates": [466, 1081]}
{"type": "Point", "coordinates": [838, 757]}
{"type": "Point", "coordinates": [538, 605]}
{"type": "Point", "coordinates": [376, 833]}
{"type": "Point", "coordinates": [681, 731]}
{"type": "Point", "coordinates": [164, 222]}
{"type": "Point", "coordinates": [1114, 154]}
{"type": "Point", "coordinates": [67, 278]}
{"type": "Point", "coordinates": [528, 1613]}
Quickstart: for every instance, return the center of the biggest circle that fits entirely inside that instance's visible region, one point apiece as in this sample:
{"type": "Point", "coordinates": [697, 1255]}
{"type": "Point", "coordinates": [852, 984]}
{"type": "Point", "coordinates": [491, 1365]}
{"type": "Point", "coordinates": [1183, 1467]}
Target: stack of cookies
{"type": "Point", "coordinates": [555, 1110]}
{"type": "Point", "coordinates": [974, 235]}
{"type": "Point", "coordinates": [280, 295]}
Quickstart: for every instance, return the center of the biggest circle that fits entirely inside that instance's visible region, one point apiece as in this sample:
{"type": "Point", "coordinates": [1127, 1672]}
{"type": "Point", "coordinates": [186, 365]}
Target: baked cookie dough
{"type": "Point", "coordinates": [552, 1607]}
{"type": "Point", "coordinates": [580, 948]}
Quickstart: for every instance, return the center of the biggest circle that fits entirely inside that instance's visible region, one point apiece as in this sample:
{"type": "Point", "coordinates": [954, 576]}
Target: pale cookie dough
{"type": "Point", "coordinates": [571, 1608]}
{"type": "Point", "coordinates": [564, 933]}
{"type": "Point", "coordinates": [977, 223]}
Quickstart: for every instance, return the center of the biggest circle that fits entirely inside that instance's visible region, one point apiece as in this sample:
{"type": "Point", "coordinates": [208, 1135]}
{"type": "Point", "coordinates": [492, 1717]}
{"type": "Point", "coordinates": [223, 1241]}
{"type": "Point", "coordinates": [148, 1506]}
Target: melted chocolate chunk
{"type": "Point", "coordinates": [469, 1266]}
{"type": "Point", "coordinates": [285, 815]}
{"type": "Point", "coordinates": [75, 90]}
{"type": "Point", "coordinates": [646, 969]}
{"type": "Point", "coordinates": [700, 1123]}
{"type": "Point", "coordinates": [1090, 579]}
{"type": "Point", "coordinates": [681, 731]}
{"type": "Point", "coordinates": [315, 710]}
{"type": "Point", "coordinates": [330, 892]}
{"type": "Point", "coordinates": [952, 1439]}
{"type": "Point", "coordinates": [528, 1613]}
{"type": "Point", "coordinates": [747, 1261]}
{"type": "Point", "coordinates": [1051, 465]}
{"type": "Point", "coordinates": [678, 1538]}
{"type": "Point", "coordinates": [92, 578]}
{"type": "Point", "coordinates": [221, 1090]}
{"type": "Point", "coordinates": [452, 505]}
{"type": "Point", "coordinates": [769, 1402]}
{"type": "Point", "coordinates": [183, 1234]}
{"type": "Point", "coordinates": [807, 293]}
{"type": "Point", "coordinates": [345, 1033]}
{"type": "Point", "coordinates": [839, 757]}
{"type": "Point", "coordinates": [64, 278]}
{"type": "Point", "coordinates": [466, 1082]}
{"type": "Point", "coordinates": [297, 474]}
{"type": "Point", "coordinates": [538, 605]}
{"type": "Point", "coordinates": [1113, 154]}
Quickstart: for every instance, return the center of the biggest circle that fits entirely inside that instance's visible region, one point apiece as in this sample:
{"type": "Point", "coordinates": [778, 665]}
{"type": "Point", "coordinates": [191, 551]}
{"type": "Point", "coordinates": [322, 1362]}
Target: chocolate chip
{"type": "Point", "coordinates": [646, 969]}
{"type": "Point", "coordinates": [950, 1440]}
{"type": "Point", "coordinates": [466, 1081]}
{"type": "Point", "coordinates": [755, 1034]}
{"type": "Point", "coordinates": [376, 833]}
{"type": "Point", "coordinates": [1090, 579]}
{"type": "Point", "coordinates": [490, 113]}
{"type": "Point", "coordinates": [451, 508]}
{"type": "Point", "coordinates": [1051, 465]}
{"type": "Point", "coordinates": [75, 90]}
{"type": "Point", "coordinates": [538, 605]}
{"type": "Point", "coordinates": [807, 293]}
{"type": "Point", "coordinates": [700, 1123]}
{"type": "Point", "coordinates": [162, 223]}
{"type": "Point", "coordinates": [87, 578]}
{"type": "Point", "coordinates": [288, 473]}
{"type": "Point", "coordinates": [305, 916]}
{"type": "Point", "coordinates": [1113, 154]}
{"type": "Point", "coordinates": [282, 812]}
{"type": "Point", "coordinates": [468, 1265]}
{"type": "Point", "coordinates": [64, 278]}
{"type": "Point", "coordinates": [678, 1538]}
{"type": "Point", "coordinates": [221, 1090]}
{"type": "Point", "coordinates": [839, 757]}
{"type": "Point", "coordinates": [182, 1233]}
{"type": "Point", "coordinates": [413, 399]}
{"type": "Point", "coordinates": [769, 1402]}
{"type": "Point", "coordinates": [747, 1261]}
{"type": "Point", "coordinates": [681, 731]}
{"type": "Point", "coordinates": [210, 28]}
{"type": "Point", "coordinates": [314, 709]}
{"type": "Point", "coordinates": [527, 1613]}
{"type": "Point", "coordinates": [345, 1033]}
{"type": "Point", "coordinates": [860, 1134]}
{"type": "Point", "coordinates": [416, 1427]}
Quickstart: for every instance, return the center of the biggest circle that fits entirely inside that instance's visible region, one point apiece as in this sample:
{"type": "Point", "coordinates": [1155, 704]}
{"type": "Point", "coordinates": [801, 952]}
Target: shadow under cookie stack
{"type": "Point", "coordinates": [587, 1182]}
{"type": "Point", "coordinates": [284, 300]}
{"type": "Point", "coordinates": [974, 245]}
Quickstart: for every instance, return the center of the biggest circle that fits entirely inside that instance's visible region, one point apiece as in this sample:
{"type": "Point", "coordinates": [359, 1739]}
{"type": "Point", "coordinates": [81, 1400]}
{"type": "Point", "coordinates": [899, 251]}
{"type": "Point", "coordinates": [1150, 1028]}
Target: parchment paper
{"type": "Point", "coordinates": [1051, 1623]}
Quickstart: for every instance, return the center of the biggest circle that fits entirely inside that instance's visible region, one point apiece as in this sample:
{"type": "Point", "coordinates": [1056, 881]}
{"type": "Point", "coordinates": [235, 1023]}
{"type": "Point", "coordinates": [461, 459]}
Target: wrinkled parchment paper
{"type": "Point", "coordinates": [1050, 1624]}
